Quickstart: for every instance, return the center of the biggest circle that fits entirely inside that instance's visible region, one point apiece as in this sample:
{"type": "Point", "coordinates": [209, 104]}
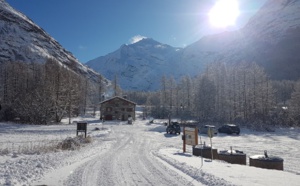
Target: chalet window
{"type": "Point", "coordinates": [123, 109]}
{"type": "Point", "coordinates": [129, 109]}
{"type": "Point", "coordinates": [108, 109]}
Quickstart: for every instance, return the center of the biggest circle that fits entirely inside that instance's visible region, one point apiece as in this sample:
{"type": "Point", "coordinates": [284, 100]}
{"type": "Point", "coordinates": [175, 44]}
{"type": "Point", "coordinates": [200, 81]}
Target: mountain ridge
{"type": "Point", "coordinates": [271, 39]}
{"type": "Point", "coordinates": [23, 41]}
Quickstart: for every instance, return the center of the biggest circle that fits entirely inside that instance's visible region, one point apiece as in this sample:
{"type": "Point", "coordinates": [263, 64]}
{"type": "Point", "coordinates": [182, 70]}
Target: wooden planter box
{"type": "Point", "coordinates": [266, 163]}
{"type": "Point", "coordinates": [205, 152]}
{"type": "Point", "coordinates": [234, 158]}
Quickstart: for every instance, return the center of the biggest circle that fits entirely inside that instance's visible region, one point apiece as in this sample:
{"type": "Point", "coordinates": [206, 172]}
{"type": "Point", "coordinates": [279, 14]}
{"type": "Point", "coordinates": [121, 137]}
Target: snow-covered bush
{"type": "Point", "coordinates": [69, 144]}
{"type": "Point", "coordinates": [73, 143]}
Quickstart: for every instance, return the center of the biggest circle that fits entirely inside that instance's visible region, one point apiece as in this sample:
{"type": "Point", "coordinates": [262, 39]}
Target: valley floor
{"type": "Point", "coordinates": [138, 154]}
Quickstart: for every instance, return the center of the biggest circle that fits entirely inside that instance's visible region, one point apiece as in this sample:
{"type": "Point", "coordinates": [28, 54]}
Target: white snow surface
{"type": "Point", "coordinates": [138, 154]}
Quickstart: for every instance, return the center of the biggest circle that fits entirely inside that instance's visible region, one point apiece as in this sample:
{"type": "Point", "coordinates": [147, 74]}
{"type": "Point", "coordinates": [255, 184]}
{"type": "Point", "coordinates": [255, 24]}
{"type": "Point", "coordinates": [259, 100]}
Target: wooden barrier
{"type": "Point", "coordinates": [236, 157]}
{"type": "Point", "coordinates": [205, 152]}
{"type": "Point", "coordinates": [271, 162]}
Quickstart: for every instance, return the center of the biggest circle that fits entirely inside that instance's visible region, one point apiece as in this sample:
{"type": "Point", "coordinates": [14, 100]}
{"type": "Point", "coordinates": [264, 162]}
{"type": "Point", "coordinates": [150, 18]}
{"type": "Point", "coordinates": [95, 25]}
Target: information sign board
{"type": "Point", "coordinates": [191, 136]}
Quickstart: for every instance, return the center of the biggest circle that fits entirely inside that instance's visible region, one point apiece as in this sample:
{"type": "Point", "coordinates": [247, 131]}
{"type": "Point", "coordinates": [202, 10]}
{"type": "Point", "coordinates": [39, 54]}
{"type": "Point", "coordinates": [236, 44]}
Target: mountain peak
{"type": "Point", "coordinates": [138, 65]}
{"type": "Point", "coordinates": [146, 41]}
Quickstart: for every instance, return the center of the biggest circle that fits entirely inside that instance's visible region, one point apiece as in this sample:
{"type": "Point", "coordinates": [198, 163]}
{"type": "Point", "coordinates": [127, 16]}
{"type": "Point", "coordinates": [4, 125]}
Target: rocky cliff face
{"type": "Point", "coordinates": [23, 41]}
{"type": "Point", "coordinates": [271, 39]}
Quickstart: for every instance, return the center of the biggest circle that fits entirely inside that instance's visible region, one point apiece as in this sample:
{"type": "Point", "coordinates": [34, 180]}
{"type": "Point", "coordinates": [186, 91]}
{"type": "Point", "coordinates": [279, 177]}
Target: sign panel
{"type": "Point", "coordinates": [191, 136]}
{"type": "Point", "coordinates": [81, 126]}
{"type": "Point", "coordinates": [210, 132]}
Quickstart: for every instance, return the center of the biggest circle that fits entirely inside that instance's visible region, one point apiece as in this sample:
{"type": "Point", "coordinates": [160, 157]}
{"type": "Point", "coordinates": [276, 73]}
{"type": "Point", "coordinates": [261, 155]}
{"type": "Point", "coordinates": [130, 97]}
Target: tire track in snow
{"type": "Point", "coordinates": [139, 167]}
{"type": "Point", "coordinates": [157, 171]}
{"type": "Point", "coordinates": [128, 162]}
{"type": "Point", "coordinates": [99, 170]}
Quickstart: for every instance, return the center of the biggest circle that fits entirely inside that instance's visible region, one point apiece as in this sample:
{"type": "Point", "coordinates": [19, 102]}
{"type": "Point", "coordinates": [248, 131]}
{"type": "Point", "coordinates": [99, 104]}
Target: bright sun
{"type": "Point", "coordinates": [224, 13]}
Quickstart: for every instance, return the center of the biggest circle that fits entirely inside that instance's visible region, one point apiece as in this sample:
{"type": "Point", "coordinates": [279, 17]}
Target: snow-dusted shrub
{"type": "Point", "coordinates": [69, 144]}
{"type": "Point", "coordinates": [38, 147]}
{"type": "Point", "coordinates": [73, 143]}
{"type": "Point", "coordinates": [29, 147]}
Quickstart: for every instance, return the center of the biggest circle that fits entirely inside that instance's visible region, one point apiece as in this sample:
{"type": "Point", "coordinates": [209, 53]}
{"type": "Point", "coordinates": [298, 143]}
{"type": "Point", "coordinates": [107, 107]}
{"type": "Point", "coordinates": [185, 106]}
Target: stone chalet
{"type": "Point", "coordinates": [117, 108]}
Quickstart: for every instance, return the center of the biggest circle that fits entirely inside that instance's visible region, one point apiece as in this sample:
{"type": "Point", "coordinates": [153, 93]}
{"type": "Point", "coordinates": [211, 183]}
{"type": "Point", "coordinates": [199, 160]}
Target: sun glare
{"type": "Point", "coordinates": [224, 13]}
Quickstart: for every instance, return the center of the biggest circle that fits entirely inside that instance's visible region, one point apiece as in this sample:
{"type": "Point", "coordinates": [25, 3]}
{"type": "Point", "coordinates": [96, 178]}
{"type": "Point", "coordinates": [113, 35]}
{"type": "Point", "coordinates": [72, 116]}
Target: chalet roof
{"type": "Point", "coordinates": [118, 97]}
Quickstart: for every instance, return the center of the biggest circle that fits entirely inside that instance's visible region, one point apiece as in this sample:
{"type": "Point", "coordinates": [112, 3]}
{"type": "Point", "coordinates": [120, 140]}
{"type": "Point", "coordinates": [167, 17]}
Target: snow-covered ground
{"type": "Point", "coordinates": [138, 154]}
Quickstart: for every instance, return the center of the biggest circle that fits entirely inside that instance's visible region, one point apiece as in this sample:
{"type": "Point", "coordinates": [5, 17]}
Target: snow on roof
{"type": "Point", "coordinates": [118, 97]}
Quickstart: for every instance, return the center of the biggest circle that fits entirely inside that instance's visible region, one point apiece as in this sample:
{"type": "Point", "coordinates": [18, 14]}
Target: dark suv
{"type": "Point", "coordinates": [229, 129]}
{"type": "Point", "coordinates": [173, 128]}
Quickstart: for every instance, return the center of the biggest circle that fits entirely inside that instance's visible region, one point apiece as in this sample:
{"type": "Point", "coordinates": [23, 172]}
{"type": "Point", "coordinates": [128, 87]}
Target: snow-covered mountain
{"type": "Point", "coordinates": [274, 39]}
{"type": "Point", "coordinates": [271, 38]}
{"type": "Point", "coordinates": [139, 66]}
{"type": "Point", "coordinates": [23, 41]}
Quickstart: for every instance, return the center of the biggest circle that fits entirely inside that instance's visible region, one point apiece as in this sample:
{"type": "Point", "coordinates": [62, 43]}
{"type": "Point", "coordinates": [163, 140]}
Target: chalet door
{"type": "Point", "coordinates": [123, 117]}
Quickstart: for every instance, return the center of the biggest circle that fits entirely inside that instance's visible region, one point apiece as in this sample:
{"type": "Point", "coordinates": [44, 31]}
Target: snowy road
{"type": "Point", "coordinates": [129, 161]}
{"type": "Point", "coordinates": [138, 154]}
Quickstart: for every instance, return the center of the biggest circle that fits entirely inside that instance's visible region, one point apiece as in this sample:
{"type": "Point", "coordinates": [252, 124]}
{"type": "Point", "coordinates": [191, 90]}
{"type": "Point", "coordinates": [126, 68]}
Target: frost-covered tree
{"type": "Point", "coordinates": [38, 93]}
{"type": "Point", "coordinates": [283, 91]}
{"type": "Point", "coordinates": [294, 106]}
{"type": "Point", "coordinates": [205, 99]}
{"type": "Point", "coordinates": [185, 95]}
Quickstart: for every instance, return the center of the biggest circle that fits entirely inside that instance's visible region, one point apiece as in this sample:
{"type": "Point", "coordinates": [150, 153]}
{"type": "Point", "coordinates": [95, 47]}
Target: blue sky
{"type": "Point", "coordinates": [93, 28]}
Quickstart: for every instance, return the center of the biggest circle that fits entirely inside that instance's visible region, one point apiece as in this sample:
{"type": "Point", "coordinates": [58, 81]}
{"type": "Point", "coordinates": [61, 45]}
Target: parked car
{"type": "Point", "coordinates": [229, 129]}
{"type": "Point", "coordinates": [173, 128]}
{"type": "Point", "coordinates": [204, 129]}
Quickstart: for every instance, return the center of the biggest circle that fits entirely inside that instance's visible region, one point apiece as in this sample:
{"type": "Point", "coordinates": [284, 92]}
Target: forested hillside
{"type": "Point", "coordinates": [42, 93]}
{"type": "Point", "coordinates": [242, 94]}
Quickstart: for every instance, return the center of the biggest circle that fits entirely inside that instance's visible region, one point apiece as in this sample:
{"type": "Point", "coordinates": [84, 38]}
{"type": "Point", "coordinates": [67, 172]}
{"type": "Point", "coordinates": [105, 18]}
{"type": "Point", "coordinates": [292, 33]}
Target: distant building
{"type": "Point", "coordinates": [117, 108]}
